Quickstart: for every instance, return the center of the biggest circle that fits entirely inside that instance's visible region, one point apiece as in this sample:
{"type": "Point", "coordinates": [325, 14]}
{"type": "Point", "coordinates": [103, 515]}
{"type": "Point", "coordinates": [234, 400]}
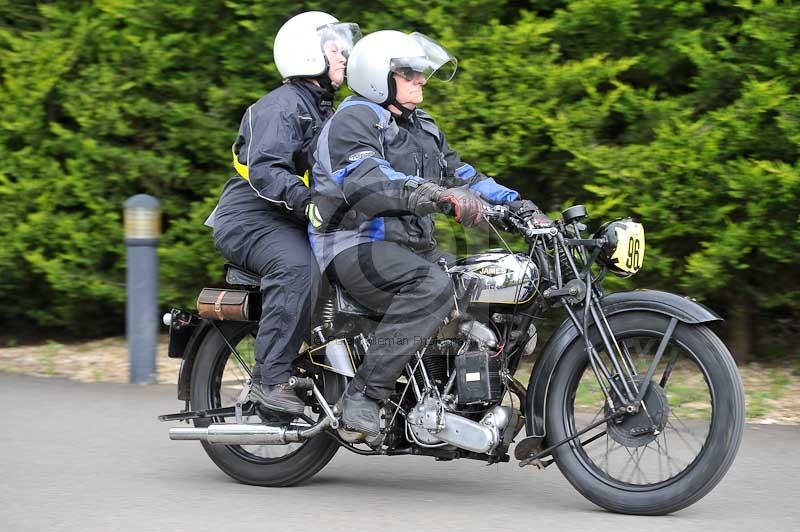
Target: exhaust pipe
{"type": "Point", "coordinates": [248, 434]}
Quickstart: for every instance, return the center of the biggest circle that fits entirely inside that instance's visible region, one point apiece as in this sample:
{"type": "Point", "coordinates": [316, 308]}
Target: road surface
{"type": "Point", "coordinates": [88, 457]}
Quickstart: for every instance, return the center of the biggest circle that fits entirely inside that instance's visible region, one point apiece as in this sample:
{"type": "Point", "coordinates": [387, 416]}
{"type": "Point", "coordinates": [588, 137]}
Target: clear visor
{"type": "Point", "coordinates": [339, 37]}
{"type": "Point", "coordinates": [435, 61]}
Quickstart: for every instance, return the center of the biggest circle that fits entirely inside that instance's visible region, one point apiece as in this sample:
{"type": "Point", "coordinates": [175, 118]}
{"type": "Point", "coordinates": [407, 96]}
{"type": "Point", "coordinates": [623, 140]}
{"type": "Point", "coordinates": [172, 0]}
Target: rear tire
{"type": "Point", "coordinates": [650, 491]}
{"type": "Point", "coordinates": [241, 462]}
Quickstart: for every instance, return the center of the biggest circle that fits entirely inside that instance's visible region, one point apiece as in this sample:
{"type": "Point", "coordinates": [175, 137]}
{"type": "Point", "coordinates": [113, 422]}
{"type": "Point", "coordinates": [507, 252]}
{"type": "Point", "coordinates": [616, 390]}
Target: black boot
{"type": "Point", "coordinates": [279, 397]}
{"type": "Point", "coordinates": [360, 413]}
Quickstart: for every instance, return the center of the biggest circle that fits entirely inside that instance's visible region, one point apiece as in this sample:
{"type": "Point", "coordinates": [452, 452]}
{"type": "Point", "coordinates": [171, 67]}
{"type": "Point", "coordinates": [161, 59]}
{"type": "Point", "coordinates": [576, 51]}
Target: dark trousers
{"type": "Point", "coordinates": [275, 247]}
{"type": "Point", "coordinates": [412, 292]}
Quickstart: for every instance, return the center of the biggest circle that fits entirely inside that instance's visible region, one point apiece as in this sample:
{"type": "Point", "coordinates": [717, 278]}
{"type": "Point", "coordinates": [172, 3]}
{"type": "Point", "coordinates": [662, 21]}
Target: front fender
{"type": "Point", "coordinates": [683, 309]}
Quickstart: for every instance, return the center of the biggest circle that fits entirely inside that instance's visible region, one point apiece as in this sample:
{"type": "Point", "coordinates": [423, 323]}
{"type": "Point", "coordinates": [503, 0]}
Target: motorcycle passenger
{"type": "Point", "coordinates": [387, 163]}
{"type": "Point", "coordinates": [260, 221]}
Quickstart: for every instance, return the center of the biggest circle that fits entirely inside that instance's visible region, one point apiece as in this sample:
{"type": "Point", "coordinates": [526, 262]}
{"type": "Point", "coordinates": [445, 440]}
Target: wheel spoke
{"type": "Point", "coordinates": [666, 454]}
{"type": "Point", "coordinates": [232, 375]}
{"type": "Point", "coordinates": [597, 415]}
{"type": "Point", "coordinates": [626, 352]}
{"type": "Point", "coordinates": [608, 451]}
{"type": "Point", "coordinates": [673, 459]}
{"type": "Point", "coordinates": [668, 370]}
{"type": "Point", "coordinates": [688, 431]}
{"type": "Point", "coordinates": [655, 459]}
{"type": "Point", "coordinates": [630, 461]}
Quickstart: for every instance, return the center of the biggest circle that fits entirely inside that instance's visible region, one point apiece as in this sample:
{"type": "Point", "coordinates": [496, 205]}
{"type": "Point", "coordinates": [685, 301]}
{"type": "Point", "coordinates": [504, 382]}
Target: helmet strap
{"type": "Point", "coordinates": [326, 83]}
{"type": "Point", "coordinates": [405, 113]}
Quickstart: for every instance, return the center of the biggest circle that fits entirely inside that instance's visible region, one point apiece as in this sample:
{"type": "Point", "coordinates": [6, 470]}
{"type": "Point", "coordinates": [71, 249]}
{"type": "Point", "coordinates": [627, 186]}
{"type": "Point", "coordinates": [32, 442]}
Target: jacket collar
{"type": "Point", "coordinates": [322, 97]}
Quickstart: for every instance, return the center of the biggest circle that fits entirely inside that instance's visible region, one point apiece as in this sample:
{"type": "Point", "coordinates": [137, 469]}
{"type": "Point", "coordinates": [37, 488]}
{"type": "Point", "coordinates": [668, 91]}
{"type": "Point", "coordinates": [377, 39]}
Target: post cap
{"type": "Point", "coordinates": [142, 218]}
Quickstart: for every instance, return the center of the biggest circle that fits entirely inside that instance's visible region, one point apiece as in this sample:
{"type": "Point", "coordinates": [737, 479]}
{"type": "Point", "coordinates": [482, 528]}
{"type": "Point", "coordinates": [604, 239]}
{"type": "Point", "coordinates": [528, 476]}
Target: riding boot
{"type": "Point", "coordinates": [360, 413]}
{"type": "Point", "coordinates": [279, 397]}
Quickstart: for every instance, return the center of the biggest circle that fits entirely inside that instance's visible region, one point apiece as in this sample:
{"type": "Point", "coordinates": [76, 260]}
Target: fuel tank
{"type": "Point", "coordinates": [503, 278]}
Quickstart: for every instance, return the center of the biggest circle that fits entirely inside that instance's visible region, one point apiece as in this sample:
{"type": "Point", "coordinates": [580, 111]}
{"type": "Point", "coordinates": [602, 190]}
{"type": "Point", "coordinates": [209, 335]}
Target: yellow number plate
{"type": "Point", "coordinates": [629, 253]}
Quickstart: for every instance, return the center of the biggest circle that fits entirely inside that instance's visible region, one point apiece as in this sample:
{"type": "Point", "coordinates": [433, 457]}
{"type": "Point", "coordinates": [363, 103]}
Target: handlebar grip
{"type": "Point", "coordinates": [445, 207]}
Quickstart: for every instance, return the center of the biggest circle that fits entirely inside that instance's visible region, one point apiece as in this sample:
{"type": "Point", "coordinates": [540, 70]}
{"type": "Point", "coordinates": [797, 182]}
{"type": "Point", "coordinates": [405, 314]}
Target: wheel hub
{"type": "Point", "coordinates": [642, 427]}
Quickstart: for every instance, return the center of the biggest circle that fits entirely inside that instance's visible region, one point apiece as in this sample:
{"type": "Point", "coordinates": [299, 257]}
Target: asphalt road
{"type": "Point", "coordinates": [93, 457]}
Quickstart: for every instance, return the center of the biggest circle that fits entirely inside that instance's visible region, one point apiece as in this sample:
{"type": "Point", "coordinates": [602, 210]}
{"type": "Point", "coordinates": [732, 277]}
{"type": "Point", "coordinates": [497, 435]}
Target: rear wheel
{"type": "Point", "coordinates": [217, 381]}
{"type": "Point", "coordinates": [680, 443]}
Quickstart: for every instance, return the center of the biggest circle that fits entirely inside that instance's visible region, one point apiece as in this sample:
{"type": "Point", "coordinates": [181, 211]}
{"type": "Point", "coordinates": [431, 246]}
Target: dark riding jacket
{"type": "Point", "coordinates": [371, 161]}
{"type": "Point", "coordinates": [273, 153]}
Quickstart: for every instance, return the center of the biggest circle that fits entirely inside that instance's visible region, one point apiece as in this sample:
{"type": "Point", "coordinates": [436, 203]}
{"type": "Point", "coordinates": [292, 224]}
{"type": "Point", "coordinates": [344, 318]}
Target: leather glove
{"type": "Point", "coordinates": [428, 198]}
{"type": "Point", "coordinates": [528, 209]}
{"type": "Point", "coordinates": [523, 207]}
{"type": "Point", "coordinates": [328, 213]}
{"type": "Point", "coordinates": [466, 206]}
{"type": "Point", "coordinates": [424, 199]}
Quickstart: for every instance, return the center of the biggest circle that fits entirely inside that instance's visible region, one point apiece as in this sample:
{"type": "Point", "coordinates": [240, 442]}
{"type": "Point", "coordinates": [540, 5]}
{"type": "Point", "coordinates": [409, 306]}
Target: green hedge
{"type": "Point", "coordinates": [685, 114]}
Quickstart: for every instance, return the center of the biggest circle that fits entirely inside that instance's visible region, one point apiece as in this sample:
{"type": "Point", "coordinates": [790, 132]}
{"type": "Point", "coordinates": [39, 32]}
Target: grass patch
{"type": "Point", "coordinates": [246, 351]}
{"type": "Point", "coordinates": [47, 357]}
{"type": "Point", "coordinates": [757, 404]}
{"type": "Point", "coordinates": [687, 394]}
{"type": "Point", "coordinates": [770, 391]}
{"type": "Point", "coordinates": [779, 383]}
{"type": "Point", "coordinates": [759, 399]}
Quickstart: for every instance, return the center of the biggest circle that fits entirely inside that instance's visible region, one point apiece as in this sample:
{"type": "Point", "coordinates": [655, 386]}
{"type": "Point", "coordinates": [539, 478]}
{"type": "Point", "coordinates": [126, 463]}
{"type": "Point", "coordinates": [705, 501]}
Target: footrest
{"type": "Point", "coordinates": [528, 447]}
{"type": "Point", "coordinates": [248, 409]}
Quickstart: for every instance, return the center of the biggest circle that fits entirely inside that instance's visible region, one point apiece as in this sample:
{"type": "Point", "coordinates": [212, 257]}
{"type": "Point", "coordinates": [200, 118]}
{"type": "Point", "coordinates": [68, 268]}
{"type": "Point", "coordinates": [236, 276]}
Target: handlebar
{"type": "Point", "coordinates": [530, 226]}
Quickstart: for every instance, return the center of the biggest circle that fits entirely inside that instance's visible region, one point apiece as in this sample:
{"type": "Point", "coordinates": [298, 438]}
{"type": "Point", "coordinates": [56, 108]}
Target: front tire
{"type": "Point", "coordinates": [700, 399]}
{"type": "Point", "coordinates": [217, 379]}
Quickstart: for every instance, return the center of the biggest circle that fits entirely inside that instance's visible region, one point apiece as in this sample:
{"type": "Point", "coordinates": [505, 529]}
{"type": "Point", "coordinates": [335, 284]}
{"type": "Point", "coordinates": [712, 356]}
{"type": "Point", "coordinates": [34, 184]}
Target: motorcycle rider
{"type": "Point", "coordinates": [260, 221]}
{"type": "Point", "coordinates": [387, 163]}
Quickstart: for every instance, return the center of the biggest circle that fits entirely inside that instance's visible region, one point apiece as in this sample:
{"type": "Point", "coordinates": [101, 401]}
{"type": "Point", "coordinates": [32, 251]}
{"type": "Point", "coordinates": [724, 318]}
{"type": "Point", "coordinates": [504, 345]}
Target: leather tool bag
{"type": "Point", "coordinates": [224, 304]}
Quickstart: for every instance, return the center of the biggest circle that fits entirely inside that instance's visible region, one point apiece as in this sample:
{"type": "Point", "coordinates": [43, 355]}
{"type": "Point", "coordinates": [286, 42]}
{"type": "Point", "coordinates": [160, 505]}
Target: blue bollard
{"type": "Point", "coordinates": [142, 222]}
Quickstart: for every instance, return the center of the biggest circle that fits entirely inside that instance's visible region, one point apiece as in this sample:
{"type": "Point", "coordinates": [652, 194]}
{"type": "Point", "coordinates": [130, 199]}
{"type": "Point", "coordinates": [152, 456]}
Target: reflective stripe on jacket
{"type": "Point", "coordinates": [274, 149]}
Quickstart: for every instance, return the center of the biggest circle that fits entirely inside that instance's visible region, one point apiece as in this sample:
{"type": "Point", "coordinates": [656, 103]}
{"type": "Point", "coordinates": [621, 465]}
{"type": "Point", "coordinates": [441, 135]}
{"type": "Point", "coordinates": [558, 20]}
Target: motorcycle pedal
{"type": "Point", "coordinates": [351, 436]}
{"type": "Point", "coordinates": [538, 463]}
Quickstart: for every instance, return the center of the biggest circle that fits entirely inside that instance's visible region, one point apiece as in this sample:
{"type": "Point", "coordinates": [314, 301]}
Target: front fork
{"type": "Point", "coordinates": [624, 396]}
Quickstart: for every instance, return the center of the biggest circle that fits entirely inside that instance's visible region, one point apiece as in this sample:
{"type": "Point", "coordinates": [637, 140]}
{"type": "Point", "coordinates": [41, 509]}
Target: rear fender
{"type": "Point", "coordinates": [188, 354]}
{"type": "Point", "coordinates": [683, 309]}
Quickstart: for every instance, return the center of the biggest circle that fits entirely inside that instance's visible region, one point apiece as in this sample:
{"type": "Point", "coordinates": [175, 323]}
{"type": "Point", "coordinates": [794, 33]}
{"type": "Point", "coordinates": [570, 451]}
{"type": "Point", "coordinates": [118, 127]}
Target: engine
{"type": "Point", "coordinates": [431, 423]}
{"type": "Point", "coordinates": [477, 366]}
{"type": "Point", "coordinates": [476, 383]}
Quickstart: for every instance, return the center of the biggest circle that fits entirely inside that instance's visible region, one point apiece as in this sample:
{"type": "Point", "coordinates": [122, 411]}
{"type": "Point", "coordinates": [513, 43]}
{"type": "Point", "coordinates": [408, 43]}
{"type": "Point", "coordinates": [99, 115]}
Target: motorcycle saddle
{"type": "Point", "coordinates": [235, 275]}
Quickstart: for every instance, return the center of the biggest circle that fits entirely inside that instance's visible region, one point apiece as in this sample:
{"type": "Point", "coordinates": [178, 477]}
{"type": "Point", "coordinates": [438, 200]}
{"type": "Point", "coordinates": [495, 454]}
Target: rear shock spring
{"type": "Point", "coordinates": [328, 313]}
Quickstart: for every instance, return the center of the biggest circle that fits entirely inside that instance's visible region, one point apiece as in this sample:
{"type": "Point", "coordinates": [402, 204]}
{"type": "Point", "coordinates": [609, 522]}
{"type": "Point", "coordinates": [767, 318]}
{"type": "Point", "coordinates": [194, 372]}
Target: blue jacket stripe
{"type": "Point", "coordinates": [341, 173]}
{"type": "Point", "coordinates": [494, 191]}
{"type": "Point", "coordinates": [465, 171]}
{"type": "Point", "coordinates": [377, 229]}
{"type": "Point", "coordinates": [348, 102]}
{"type": "Point", "coordinates": [384, 166]}
{"type": "Point", "coordinates": [391, 173]}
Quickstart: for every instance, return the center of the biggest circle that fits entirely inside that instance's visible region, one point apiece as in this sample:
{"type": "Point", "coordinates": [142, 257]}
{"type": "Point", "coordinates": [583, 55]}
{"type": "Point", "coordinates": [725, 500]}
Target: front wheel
{"type": "Point", "coordinates": [683, 439]}
{"type": "Point", "coordinates": [217, 381]}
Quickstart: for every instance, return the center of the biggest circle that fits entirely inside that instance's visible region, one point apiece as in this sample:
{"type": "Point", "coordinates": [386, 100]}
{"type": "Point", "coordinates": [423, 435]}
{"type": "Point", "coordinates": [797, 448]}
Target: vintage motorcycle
{"type": "Point", "coordinates": [634, 397]}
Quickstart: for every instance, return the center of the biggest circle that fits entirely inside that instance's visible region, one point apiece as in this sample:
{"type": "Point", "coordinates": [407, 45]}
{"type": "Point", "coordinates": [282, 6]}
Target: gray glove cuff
{"type": "Point", "coordinates": [422, 200]}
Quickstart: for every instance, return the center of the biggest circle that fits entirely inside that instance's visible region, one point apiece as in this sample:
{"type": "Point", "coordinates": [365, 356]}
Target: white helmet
{"type": "Point", "coordinates": [380, 53]}
{"type": "Point", "coordinates": [298, 45]}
